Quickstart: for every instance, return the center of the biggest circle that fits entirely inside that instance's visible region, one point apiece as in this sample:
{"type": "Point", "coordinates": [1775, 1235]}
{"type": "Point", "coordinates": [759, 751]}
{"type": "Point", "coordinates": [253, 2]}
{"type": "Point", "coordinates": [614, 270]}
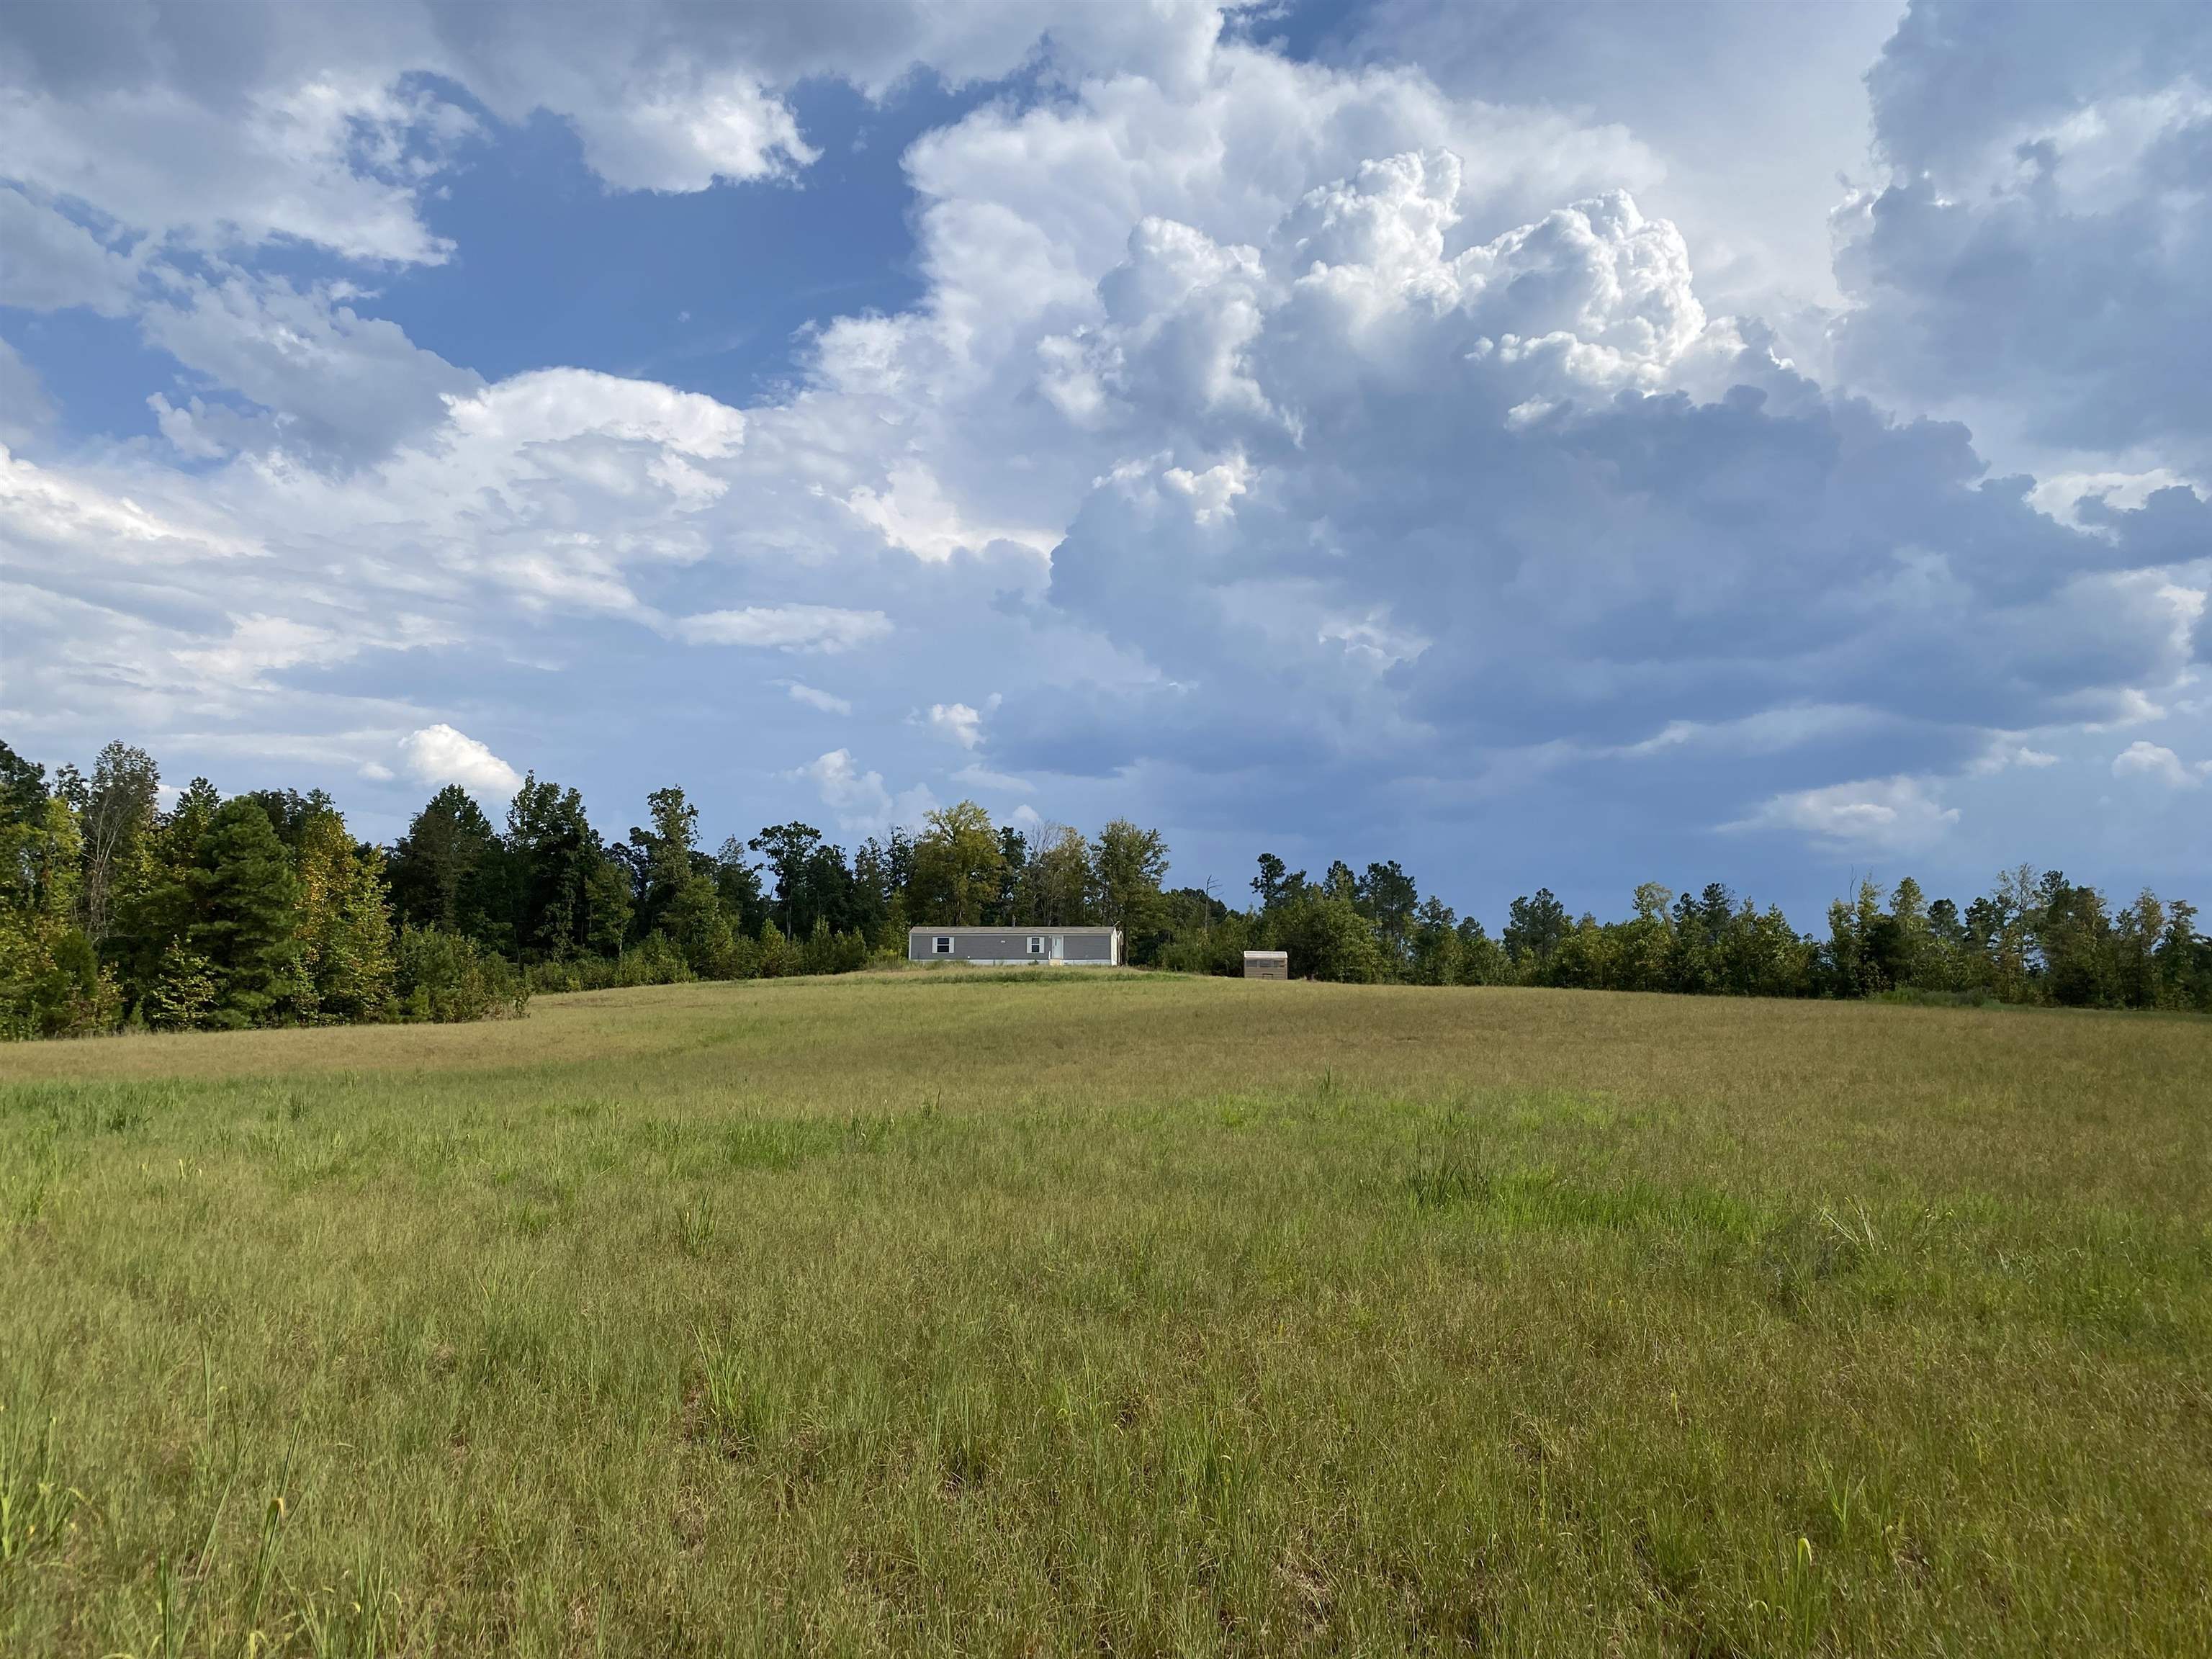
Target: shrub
{"type": "Point", "coordinates": [449, 978]}
{"type": "Point", "coordinates": [51, 982]}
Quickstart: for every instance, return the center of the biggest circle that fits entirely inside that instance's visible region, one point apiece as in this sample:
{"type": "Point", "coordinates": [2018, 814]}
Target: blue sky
{"type": "Point", "coordinates": [1576, 445]}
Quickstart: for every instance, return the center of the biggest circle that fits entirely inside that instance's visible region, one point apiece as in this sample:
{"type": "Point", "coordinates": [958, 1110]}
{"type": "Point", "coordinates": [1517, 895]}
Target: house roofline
{"type": "Point", "coordinates": [1018, 927]}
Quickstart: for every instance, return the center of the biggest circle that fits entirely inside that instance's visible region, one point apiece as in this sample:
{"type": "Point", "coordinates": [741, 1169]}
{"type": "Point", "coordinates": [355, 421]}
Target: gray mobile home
{"type": "Point", "coordinates": [1014, 947]}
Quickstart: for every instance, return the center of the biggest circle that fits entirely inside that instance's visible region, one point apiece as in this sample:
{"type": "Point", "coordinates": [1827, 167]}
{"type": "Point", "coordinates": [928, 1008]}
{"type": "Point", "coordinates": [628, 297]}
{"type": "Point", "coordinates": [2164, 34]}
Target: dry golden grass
{"type": "Point", "coordinates": [953, 1312]}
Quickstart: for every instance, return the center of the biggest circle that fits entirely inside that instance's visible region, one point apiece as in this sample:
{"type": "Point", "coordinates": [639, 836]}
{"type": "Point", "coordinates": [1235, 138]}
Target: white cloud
{"type": "Point", "coordinates": [691, 130]}
{"type": "Point", "coordinates": [958, 722]}
{"type": "Point", "coordinates": [2144, 759]}
{"type": "Point", "coordinates": [785, 627]}
{"type": "Point", "coordinates": [259, 644]}
{"type": "Point", "coordinates": [1898, 814]}
{"type": "Point", "coordinates": [1213, 492]}
{"type": "Point", "coordinates": [323, 124]}
{"type": "Point", "coordinates": [858, 800]}
{"type": "Point", "coordinates": [57, 511]}
{"type": "Point", "coordinates": [2004, 751]}
{"type": "Point", "coordinates": [828, 702]}
{"type": "Point", "coordinates": [912, 512]}
{"type": "Point", "coordinates": [439, 755]}
{"type": "Point", "coordinates": [2061, 493]}
{"type": "Point", "coordinates": [551, 406]}
{"type": "Point", "coordinates": [297, 157]}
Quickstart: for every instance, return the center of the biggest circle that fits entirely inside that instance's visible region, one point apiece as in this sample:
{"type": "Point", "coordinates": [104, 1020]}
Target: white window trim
{"type": "Point", "coordinates": [1039, 944]}
{"type": "Point", "coordinates": [941, 945]}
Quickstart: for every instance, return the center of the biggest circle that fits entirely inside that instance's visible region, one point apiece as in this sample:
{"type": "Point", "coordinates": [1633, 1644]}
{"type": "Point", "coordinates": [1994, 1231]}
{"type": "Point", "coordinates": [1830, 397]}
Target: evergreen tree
{"type": "Point", "coordinates": [440, 870]}
{"type": "Point", "coordinates": [1534, 928]}
{"type": "Point", "coordinates": [565, 895]}
{"type": "Point", "coordinates": [1387, 897]}
{"type": "Point", "coordinates": [738, 886]}
{"type": "Point", "coordinates": [245, 910]}
{"type": "Point", "coordinates": [1275, 883]}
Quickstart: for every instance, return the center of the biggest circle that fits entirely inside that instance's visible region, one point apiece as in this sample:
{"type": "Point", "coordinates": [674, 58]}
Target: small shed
{"type": "Point", "coordinates": [1017, 947]}
{"type": "Point", "coordinates": [1267, 965]}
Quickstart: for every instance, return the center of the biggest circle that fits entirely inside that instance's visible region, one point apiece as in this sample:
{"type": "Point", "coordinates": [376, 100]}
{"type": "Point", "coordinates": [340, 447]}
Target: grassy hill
{"type": "Point", "coordinates": [943, 1312]}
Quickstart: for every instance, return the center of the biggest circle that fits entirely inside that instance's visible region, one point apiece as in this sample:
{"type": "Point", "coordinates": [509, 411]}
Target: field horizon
{"type": "Point", "coordinates": [1016, 1312]}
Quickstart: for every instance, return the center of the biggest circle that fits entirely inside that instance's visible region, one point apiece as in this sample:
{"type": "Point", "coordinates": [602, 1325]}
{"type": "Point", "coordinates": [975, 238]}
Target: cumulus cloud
{"type": "Point", "coordinates": [2144, 759]}
{"type": "Point", "coordinates": [1298, 440]}
{"type": "Point", "coordinates": [329, 126]}
{"type": "Point", "coordinates": [958, 722]}
{"type": "Point", "coordinates": [1892, 815]}
{"type": "Point", "coordinates": [1682, 527]}
{"type": "Point", "coordinates": [439, 755]}
{"type": "Point", "coordinates": [858, 800]}
{"type": "Point", "coordinates": [2035, 252]}
{"type": "Point", "coordinates": [912, 513]}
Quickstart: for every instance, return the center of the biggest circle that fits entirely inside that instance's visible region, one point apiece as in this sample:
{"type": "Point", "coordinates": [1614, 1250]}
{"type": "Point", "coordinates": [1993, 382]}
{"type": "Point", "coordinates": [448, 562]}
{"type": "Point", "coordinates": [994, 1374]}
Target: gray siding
{"type": "Point", "coordinates": [1096, 947]}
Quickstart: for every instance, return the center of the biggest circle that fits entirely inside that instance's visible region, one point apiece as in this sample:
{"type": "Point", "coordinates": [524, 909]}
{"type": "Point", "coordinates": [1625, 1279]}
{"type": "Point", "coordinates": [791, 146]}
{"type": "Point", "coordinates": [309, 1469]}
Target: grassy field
{"type": "Point", "coordinates": [942, 1313]}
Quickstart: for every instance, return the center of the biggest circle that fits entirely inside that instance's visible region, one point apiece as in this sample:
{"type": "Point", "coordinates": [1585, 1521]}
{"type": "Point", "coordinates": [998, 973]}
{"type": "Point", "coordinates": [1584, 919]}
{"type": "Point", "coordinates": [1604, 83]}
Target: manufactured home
{"type": "Point", "coordinates": [1267, 965]}
{"type": "Point", "coordinates": [1015, 947]}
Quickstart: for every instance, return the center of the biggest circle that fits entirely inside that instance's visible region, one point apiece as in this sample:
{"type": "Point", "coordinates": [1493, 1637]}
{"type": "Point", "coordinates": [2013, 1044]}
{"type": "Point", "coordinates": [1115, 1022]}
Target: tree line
{"type": "Point", "coordinates": [2037, 938]}
{"type": "Point", "coordinates": [262, 909]}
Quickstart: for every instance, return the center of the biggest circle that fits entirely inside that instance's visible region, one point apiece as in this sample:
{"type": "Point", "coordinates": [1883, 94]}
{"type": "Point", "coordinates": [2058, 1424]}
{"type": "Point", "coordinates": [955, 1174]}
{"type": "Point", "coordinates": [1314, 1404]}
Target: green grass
{"type": "Point", "coordinates": [942, 1313]}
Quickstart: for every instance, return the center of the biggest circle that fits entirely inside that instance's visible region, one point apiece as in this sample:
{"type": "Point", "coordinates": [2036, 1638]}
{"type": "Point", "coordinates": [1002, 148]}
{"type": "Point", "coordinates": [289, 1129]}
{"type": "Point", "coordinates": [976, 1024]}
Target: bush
{"type": "Point", "coordinates": [1219, 949]}
{"type": "Point", "coordinates": [656, 961]}
{"type": "Point", "coordinates": [51, 982]}
{"type": "Point", "coordinates": [1327, 938]}
{"type": "Point", "coordinates": [449, 978]}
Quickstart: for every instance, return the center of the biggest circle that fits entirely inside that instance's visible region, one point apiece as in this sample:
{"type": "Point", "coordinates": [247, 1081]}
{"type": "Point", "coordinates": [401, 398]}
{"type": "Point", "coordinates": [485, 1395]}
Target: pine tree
{"type": "Point", "coordinates": [440, 870]}
{"type": "Point", "coordinates": [245, 907]}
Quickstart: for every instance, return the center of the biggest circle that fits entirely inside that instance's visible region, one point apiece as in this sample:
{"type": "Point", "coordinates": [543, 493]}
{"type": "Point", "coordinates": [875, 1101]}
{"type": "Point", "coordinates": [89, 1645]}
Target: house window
{"type": "Point", "coordinates": [1037, 944]}
{"type": "Point", "coordinates": [942, 944]}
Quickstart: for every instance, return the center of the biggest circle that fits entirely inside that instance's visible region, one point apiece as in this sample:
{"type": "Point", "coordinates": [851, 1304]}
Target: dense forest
{"type": "Point", "coordinates": [262, 909]}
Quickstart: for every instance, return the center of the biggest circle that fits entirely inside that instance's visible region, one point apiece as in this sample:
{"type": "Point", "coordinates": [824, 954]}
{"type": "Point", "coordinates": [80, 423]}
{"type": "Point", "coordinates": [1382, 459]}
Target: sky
{"type": "Point", "coordinates": [1543, 444]}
